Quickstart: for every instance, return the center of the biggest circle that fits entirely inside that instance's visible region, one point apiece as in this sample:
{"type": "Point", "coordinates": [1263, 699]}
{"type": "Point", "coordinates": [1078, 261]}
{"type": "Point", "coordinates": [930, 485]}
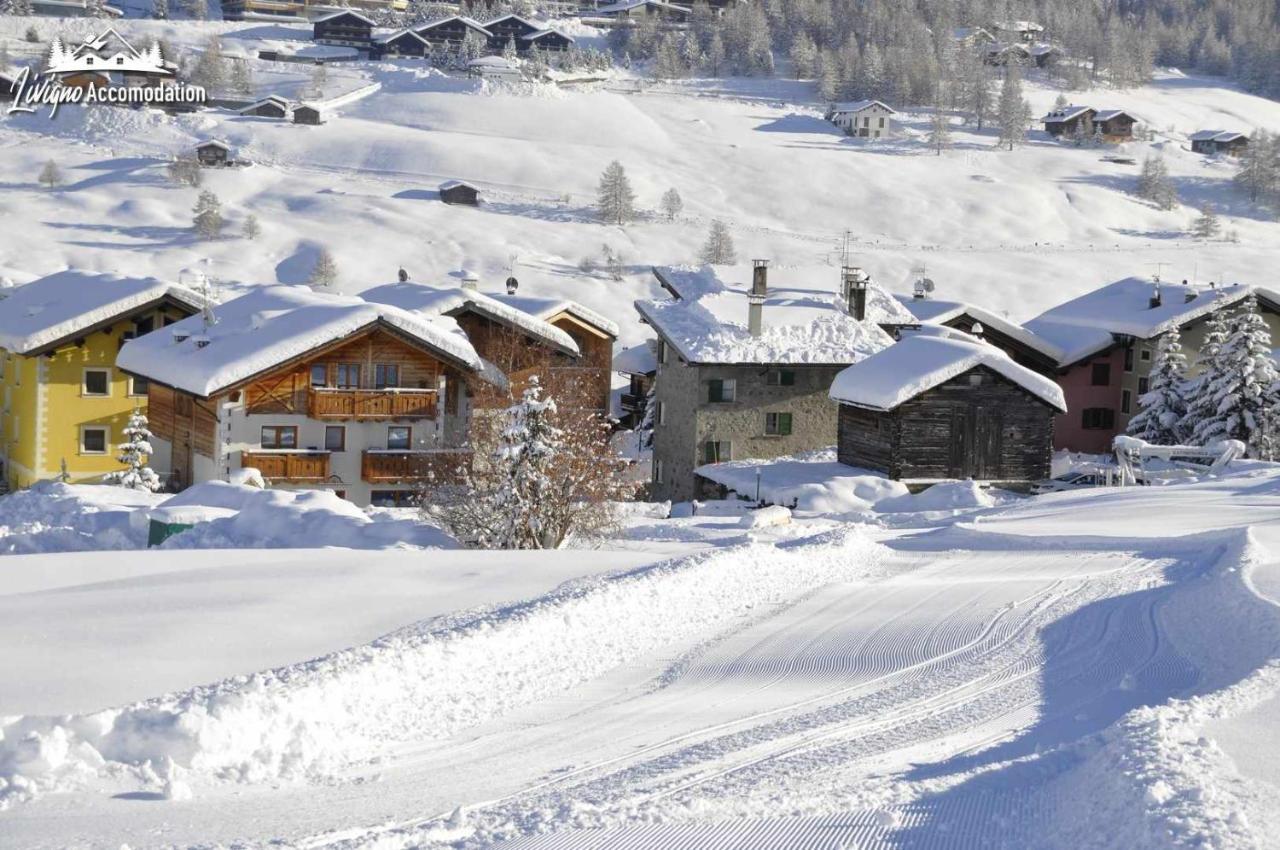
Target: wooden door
{"type": "Point", "coordinates": [976, 442]}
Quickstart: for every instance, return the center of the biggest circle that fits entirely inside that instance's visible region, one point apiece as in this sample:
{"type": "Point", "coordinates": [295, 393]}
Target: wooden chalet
{"type": "Point", "coordinates": [403, 43]}
{"type": "Point", "coordinates": [305, 114]}
{"type": "Point", "coordinates": [1115, 125]}
{"type": "Point", "coordinates": [213, 153]}
{"type": "Point", "coordinates": [659, 10]}
{"type": "Point", "coordinates": [1069, 121]}
{"type": "Point", "coordinates": [549, 39]}
{"type": "Point", "coordinates": [946, 406]}
{"type": "Point", "coordinates": [365, 412]}
{"type": "Point", "coordinates": [1216, 141]}
{"type": "Point", "coordinates": [1022, 346]}
{"type": "Point", "coordinates": [458, 192]}
{"type": "Point", "coordinates": [272, 106]}
{"type": "Point", "coordinates": [346, 28]}
{"type": "Point", "coordinates": [509, 28]}
{"type": "Point", "coordinates": [452, 31]}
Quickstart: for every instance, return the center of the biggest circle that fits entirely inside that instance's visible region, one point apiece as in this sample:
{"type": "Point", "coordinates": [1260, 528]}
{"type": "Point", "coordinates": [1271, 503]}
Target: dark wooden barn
{"type": "Point", "coordinates": [345, 28]}
{"type": "Point", "coordinates": [941, 407]}
{"type": "Point", "coordinates": [403, 43]}
{"type": "Point", "coordinates": [212, 153]}
{"type": "Point", "coordinates": [1115, 125]}
{"type": "Point", "coordinates": [1069, 120]}
{"type": "Point", "coordinates": [509, 28]}
{"type": "Point", "coordinates": [268, 107]}
{"type": "Point", "coordinates": [306, 115]}
{"type": "Point", "coordinates": [458, 192]}
{"type": "Point", "coordinates": [1216, 141]}
{"type": "Point", "coordinates": [451, 31]}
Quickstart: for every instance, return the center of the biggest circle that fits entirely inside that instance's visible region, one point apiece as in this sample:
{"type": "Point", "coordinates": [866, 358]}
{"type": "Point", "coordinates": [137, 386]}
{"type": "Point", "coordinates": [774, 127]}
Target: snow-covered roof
{"type": "Point", "coordinates": [332, 15]}
{"type": "Point", "coordinates": [66, 304]}
{"type": "Point", "coordinates": [548, 308]}
{"type": "Point", "coordinates": [1108, 114]}
{"type": "Point", "coordinates": [451, 300]}
{"type": "Point", "coordinates": [860, 105]}
{"type": "Point", "coordinates": [805, 321]}
{"type": "Point", "coordinates": [1086, 325]}
{"type": "Point", "coordinates": [921, 362]}
{"type": "Point", "coordinates": [271, 325]}
{"type": "Point", "coordinates": [628, 5]}
{"type": "Point", "coordinates": [453, 184]}
{"type": "Point", "coordinates": [213, 143]}
{"type": "Point", "coordinates": [637, 360]}
{"type": "Point", "coordinates": [965, 33]}
{"type": "Point", "coordinates": [490, 62]}
{"type": "Point", "coordinates": [935, 312]}
{"type": "Point", "coordinates": [1066, 113]}
{"type": "Point", "coordinates": [543, 33]}
{"type": "Point", "coordinates": [272, 99]}
{"type": "Point", "coordinates": [401, 34]}
{"type": "Point", "coordinates": [535, 25]}
{"type": "Point", "coordinates": [471, 23]}
{"type": "Point", "coordinates": [1216, 136]}
{"type": "Point", "coordinates": [1018, 26]}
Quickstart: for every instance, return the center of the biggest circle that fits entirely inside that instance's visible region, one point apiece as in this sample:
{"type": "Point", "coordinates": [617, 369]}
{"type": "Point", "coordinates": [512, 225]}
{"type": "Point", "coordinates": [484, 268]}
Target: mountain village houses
{"type": "Point", "coordinates": [865, 119]}
{"type": "Point", "coordinates": [1085, 122]}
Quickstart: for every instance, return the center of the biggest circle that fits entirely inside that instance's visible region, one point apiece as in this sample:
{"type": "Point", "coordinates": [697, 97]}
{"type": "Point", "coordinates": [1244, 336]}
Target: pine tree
{"type": "Point", "coordinates": [242, 78]}
{"type": "Point", "coordinates": [1259, 173]}
{"type": "Point", "coordinates": [715, 55]}
{"type": "Point", "coordinates": [160, 9]}
{"type": "Point", "coordinates": [325, 272]}
{"type": "Point", "coordinates": [672, 204]}
{"type": "Point", "coordinates": [1154, 184]}
{"type": "Point", "coordinates": [1206, 226]}
{"type": "Point", "coordinates": [509, 50]}
{"type": "Point", "coordinates": [1163, 407]}
{"type": "Point", "coordinates": [1013, 112]}
{"type": "Point", "coordinates": [614, 197]}
{"type": "Point", "coordinates": [210, 69]}
{"type": "Point", "coordinates": [133, 454]}
{"type": "Point", "coordinates": [1201, 406]}
{"type": "Point", "coordinates": [804, 57]}
{"type": "Point", "coordinates": [668, 64]}
{"type": "Point", "coordinates": [718, 249]}
{"type": "Point", "coordinates": [50, 175]}
{"type": "Point", "coordinates": [319, 79]}
{"type": "Point", "coordinates": [1242, 387]}
{"type": "Point", "coordinates": [251, 229]}
{"type": "Point", "coordinates": [208, 215]}
{"type": "Point", "coordinates": [185, 170]}
{"type": "Point", "coordinates": [939, 130]}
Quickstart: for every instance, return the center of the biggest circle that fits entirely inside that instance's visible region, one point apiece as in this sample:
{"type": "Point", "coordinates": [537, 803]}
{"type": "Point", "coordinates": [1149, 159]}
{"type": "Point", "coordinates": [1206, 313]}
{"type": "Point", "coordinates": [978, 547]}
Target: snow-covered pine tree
{"type": "Point", "coordinates": [160, 9]}
{"type": "Point", "coordinates": [50, 175]}
{"type": "Point", "coordinates": [185, 170]}
{"type": "Point", "coordinates": [1259, 173]}
{"type": "Point", "coordinates": [672, 203]}
{"type": "Point", "coordinates": [715, 55]}
{"type": "Point", "coordinates": [1206, 225]}
{"type": "Point", "coordinates": [1243, 387]}
{"type": "Point", "coordinates": [614, 197]}
{"type": "Point", "coordinates": [208, 215]}
{"type": "Point", "coordinates": [509, 50]}
{"type": "Point", "coordinates": [1013, 111]}
{"type": "Point", "coordinates": [325, 272]}
{"type": "Point", "coordinates": [134, 452]}
{"type": "Point", "coordinates": [1163, 407]}
{"type": "Point", "coordinates": [1201, 407]}
{"type": "Point", "coordinates": [939, 130]}
{"type": "Point", "coordinates": [718, 250]}
{"type": "Point", "coordinates": [242, 77]}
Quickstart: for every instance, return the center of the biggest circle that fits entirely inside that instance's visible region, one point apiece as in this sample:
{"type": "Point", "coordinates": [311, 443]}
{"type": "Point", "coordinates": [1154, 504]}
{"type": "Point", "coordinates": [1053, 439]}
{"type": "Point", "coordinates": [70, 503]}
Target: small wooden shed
{"type": "Point", "coordinates": [213, 153]}
{"type": "Point", "coordinates": [946, 406]}
{"type": "Point", "coordinates": [269, 107]}
{"type": "Point", "coordinates": [305, 114]}
{"type": "Point", "coordinates": [458, 192]}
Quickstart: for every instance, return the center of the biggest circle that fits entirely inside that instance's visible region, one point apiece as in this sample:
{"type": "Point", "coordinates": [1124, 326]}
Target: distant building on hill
{"type": "Point", "coordinates": [292, 10]}
{"type": "Point", "coordinates": [272, 106]}
{"type": "Point", "coordinates": [865, 119]}
{"type": "Point", "coordinates": [459, 192]}
{"type": "Point", "coordinates": [346, 28]}
{"type": "Point", "coordinates": [452, 31]}
{"type": "Point", "coordinates": [305, 114]}
{"type": "Point", "coordinates": [1217, 141]}
{"type": "Point", "coordinates": [213, 153]}
{"type": "Point", "coordinates": [1112, 125]}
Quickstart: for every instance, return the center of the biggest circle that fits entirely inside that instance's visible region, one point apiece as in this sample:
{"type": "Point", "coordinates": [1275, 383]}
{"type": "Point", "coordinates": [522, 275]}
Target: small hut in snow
{"type": "Point", "coordinates": [213, 153]}
{"type": "Point", "coordinates": [458, 192]}
{"type": "Point", "coordinates": [272, 106]}
{"type": "Point", "coordinates": [304, 114]}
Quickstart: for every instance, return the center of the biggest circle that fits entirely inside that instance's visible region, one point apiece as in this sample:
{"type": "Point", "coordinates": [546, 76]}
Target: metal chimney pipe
{"type": "Point", "coordinates": [855, 291]}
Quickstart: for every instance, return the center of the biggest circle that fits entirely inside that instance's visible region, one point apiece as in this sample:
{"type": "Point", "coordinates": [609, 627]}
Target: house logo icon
{"type": "Point", "coordinates": [106, 53]}
{"type": "Point", "coordinates": [106, 69]}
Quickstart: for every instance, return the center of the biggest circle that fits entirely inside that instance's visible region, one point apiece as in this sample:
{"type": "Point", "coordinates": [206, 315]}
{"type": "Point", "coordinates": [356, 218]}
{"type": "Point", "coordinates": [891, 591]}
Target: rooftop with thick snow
{"type": "Point", "coordinates": [937, 312]}
{"type": "Point", "coordinates": [70, 303]}
{"type": "Point", "coordinates": [271, 325]}
{"type": "Point", "coordinates": [805, 319]}
{"type": "Point", "coordinates": [922, 361]}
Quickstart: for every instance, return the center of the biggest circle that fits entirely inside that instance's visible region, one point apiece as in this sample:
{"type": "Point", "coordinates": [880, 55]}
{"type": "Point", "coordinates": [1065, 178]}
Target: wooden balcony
{"type": "Point", "coordinates": [381, 466]}
{"type": "Point", "coordinates": [288, 465]}
{"type": "Point", "coordinates": [328, 403]}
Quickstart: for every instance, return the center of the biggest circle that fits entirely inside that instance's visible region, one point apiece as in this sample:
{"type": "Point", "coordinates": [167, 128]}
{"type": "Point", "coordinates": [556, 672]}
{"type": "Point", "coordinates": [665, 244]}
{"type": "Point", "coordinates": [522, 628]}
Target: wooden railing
{"type": "Point", "coordinates": [288, 465]}
{"type": "Point", "coordinates": [325, 403]}
{"type": "Point", "coordinates": [379, 466]}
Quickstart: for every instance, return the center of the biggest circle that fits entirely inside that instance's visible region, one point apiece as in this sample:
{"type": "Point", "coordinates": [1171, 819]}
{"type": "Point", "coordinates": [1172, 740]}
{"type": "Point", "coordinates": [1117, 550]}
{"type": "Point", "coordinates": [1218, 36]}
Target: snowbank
{"type": "Point", "coordinates": [425, 681]}
{"type": "Point", "coordinates": [55, 517]}
{"type": "Point", "coordinates": [810, 481]}
{"type": "Point", "coordinates": [947, 496]}
{"type": "Point", "coordinates": [765, 517]}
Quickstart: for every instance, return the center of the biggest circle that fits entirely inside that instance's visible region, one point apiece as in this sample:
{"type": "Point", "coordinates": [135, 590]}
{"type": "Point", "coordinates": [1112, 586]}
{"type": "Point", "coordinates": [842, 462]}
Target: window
{"type": "Point", "coordinates": [662, 413]}
{"type": "Point", "coordinates": [781, 378]}
{"type": "Point", "coordinates": [138, 385]}
{"type": "Point", "coordinates": [399, 436]}
{"type": "Point", "coordinates": [662, 351]}
{"type": "Point", "coordinates": [1144, 385]}
{"type": "Point", "coordinates": [1101, 375]}
{"type": "Point", "coordinates": [1128, 359]}
{"type": "Point", "coordinates": [1126, 401]}
{"type": "Point", "coordinates": [715, 451]}
{"type": "Point", "coordinates": [93, 440]}
{"type": "Point", "coordinates": [142, 327]}
{"type": "Point", "coordinates": [881, 123]}
{"type": "Point", "coordinates": [335, 438]}
{"type": "Point", "coordinates": [348, 376]}
{"type": "Point", "coordinates": [1145, 355]}
{"type": "Point", "coordinates": [393, 498]}
{"type": "Point", "coordinates": [97, 382]}
{"type": "Point", "coordinates": [279, 436]}
{"type": "Point", "coordinates": [386, 375]}
{"type": "Point", "coordinates": [1095, 418]}
{"type": "Point", "coordinates": [777, 424]}
{"type": "Point", "coordinates": [721, 390]}
{"type": "Point", "coordinates": [319, 375]}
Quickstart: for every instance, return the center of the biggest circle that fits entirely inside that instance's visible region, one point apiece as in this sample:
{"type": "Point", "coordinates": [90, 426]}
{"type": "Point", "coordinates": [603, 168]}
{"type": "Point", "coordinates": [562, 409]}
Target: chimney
{"type": "Point", "coordinates": [403, 275]}
{"type": "Point", "coordinates": [1155, 298]}
{"type": "Point", "coordinates": [854, 284]}
{"type": "Point", "coordinates": [755, 299]}
{"type": "Point", "coordinates": [512, 285]}
{"type": "Point", "coordinates": [470, 280]}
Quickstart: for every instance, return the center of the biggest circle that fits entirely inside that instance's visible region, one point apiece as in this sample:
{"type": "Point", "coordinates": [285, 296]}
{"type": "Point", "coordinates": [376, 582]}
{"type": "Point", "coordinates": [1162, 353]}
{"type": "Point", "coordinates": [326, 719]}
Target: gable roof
{"type": "Point", "coordinates": [335, 15]}
{"type": "Point", "coordinates": [401, 34]}
{"type": "Point", "coordinates": [274, 99]}
{"type": "Point", "coordinates": [1108, 114]}
{"type": "Point", "coordinates": [534, 36]}
{"type": "Point", "coordinates": [1066, 113]}
{"type": "Point", "coordinates": [639, 359]}
{"type": "Point", "coordinates": [453, 184]}
{"type": "Point", "coordinates": [1086, 325]}
{"type": "Point", "coordinates": [934, 312]}
{"type": "Point", "coordinates": [548, 308]}
{"type": "Point", "coordinates": [532, 25]}
{"type": "Point", "coordinates": [213, 143]}
{"type": "Point", "coordinates": [43, 314]}
{"type": "Point", "coordinates": [860, 105]}
{"type": "Point", "coordinates": [628, 5]}
{"type": "Point", "coordinates": [804, 321]}
{"type": "Point", "coordinates": [1216, 136]}
{"type": "Point", "coordinates": [922, 361]}
{"type": "Point", "coordinates": [271, 325]}
{"type": "Point", "coordinates": [430, 300]}
{"type": "Point", "coordinates": [470, 23]}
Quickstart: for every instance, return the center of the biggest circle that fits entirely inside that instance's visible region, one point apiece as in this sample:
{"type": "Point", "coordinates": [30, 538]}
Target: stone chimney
{"type": "Point", "coordinates": [755, 300]}
{"type": "Point", "coordinates": [470, 280]}
{"type": "Point", "coordinates": [854, 285]}
{"type": "Point", "coordinates": [1156, 300]}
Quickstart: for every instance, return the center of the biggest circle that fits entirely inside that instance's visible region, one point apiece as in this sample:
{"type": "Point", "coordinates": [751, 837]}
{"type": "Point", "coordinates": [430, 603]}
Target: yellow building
{"type": "Point", "coordinates": [63, 402]}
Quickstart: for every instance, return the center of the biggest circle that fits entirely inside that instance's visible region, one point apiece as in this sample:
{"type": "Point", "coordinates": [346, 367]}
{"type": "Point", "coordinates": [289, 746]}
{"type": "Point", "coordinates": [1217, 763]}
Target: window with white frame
{"type": "Point", "coordinates": [96, 382]}
{"type": "Point", "coordinates": [138, 385]}
{"type": "Point", "coordinates": [93, 440]}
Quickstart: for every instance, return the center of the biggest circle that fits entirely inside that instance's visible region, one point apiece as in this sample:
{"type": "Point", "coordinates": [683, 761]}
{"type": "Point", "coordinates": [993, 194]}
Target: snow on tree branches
{"type": "Point", "coordinates": [325, 272]}
{"type": "Point", "coordinates": [1237, 395]}
{"type": "Point", "coordinates": [718, 249]}
{"type": "Point", "coordinates": [614, 197]}
{"type": "Point", "coordinates": [207, 218]}
{"type": "Point", "coordinates": [133, 454]}
{"type": "Point", "coordinates": [1154, 184]}
{"type": "Point", "coordinates": [1164, 405]}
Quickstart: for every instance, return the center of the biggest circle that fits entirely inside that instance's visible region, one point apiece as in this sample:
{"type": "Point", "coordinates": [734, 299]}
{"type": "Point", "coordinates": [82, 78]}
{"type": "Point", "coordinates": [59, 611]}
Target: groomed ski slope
{"type": "Point", "coordinates": [944, 687]}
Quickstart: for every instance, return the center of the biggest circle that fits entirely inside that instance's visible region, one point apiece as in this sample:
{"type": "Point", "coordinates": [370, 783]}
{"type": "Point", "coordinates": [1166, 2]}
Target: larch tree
{"type": "Point", "coordinates": [185, 170]}
{"type": "Point", "coordinates": [615, 199]}
{"type": "Point", "coordinates": [672, 204]}
{"type": "Point", "coordinates": [207, 218]}
{"type": "Point", "coordinates": [939, 130]}
{"type": "Point", "coordinates": [718, 250]}
{"type": "Point", "coordinates": [1163, 408]}
{"type": "Point", "coordinates": [1206, 226]}
{"type": "Point", "coordinates": [1259, 173]}
{"type": "Point", "coordinates": [1242, 389]}
{"type": "Point", "coordinates": [50, 175]}
{"type": "Point", "coordinates": [324, 273]}
{"type": "Point", "coordinates": [1154, 184]}
{"type": "Point", "coordinates": [251, 229]}
{"type": "Point", "coordinates": [134, 454]}
{"type": "Point", "coordinates": [1013, 112]}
